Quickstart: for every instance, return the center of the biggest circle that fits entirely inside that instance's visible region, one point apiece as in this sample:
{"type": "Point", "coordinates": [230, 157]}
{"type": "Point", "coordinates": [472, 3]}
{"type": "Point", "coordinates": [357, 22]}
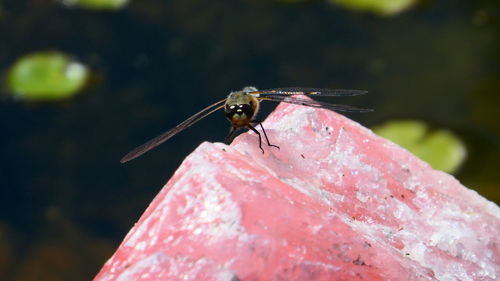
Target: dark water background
{"type": "Point", "coordinates": [65, 200]}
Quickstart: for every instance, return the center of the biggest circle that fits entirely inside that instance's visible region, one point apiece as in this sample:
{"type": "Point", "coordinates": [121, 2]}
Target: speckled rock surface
{"type": "Point", "coordinates": [334, 203]}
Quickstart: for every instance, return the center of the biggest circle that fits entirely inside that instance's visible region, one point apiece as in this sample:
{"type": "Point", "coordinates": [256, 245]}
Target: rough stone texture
{"type": "Point", "coordinates": [335, 202]}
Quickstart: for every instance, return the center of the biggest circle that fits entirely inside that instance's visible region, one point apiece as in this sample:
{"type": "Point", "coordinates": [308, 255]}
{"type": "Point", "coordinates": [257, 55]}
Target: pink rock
{"type": "Point", "coordinates": [336, 202]}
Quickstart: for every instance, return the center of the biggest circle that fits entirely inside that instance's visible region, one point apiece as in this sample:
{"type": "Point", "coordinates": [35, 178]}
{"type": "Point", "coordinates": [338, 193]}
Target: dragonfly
{"type": "Point", "coordinates": [241, 108]}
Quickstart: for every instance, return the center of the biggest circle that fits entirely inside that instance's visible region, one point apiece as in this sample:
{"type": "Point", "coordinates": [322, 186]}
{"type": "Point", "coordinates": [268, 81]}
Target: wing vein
{"type": "Point", "coordinates": [314, 103]}
{"type": "Point", "coordinates": [138, 151]}
{"type": "Point", "coordinates": [324, 92]}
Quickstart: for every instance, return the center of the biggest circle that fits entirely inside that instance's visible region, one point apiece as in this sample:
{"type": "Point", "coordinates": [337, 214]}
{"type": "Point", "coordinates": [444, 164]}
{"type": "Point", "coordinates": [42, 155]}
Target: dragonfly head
{"type": "Point", "coordinates": [241, 107]}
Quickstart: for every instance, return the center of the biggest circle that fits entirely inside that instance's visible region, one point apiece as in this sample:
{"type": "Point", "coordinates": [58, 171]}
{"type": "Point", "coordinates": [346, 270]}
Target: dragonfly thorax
{"type": "Point", "coordinates": [240, 108]}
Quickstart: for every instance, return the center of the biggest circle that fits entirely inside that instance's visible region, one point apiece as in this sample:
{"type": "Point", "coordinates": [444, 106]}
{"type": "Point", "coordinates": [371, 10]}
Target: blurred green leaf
{"type": "Point", "coordinates": [46, 76]}
{"type": "Point", "coordinates": [379, 7]}
{"type": "Point", "coordinates": [441, 149]}
{"type": "Point", "coordinates": [97, 4]}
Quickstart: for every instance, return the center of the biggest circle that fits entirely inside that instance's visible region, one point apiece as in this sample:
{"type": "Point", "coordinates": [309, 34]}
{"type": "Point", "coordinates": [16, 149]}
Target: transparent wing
{"type": "Point", "coordinates": [313, 103]}
{"type": "Point", "coordinates": [323, 92]}
{"type": "Point", "coordinates": [138, 151]}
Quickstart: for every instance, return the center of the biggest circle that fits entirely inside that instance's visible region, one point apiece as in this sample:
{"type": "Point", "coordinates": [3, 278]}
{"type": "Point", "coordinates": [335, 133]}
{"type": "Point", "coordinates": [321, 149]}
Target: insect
{"type": "Point", "coordinates": [242, 106]}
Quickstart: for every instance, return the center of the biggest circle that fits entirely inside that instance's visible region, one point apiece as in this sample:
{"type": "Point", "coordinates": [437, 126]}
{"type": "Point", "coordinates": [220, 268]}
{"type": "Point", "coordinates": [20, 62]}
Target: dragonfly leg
{"type": "Point", "coordinates": [265, 135]}
{"type": "Point", "coordinates": [230, 137]}
{"type": "Point", "coordinates": [267, 139]}
{"type": "Point", "coordinates": [260, 138]}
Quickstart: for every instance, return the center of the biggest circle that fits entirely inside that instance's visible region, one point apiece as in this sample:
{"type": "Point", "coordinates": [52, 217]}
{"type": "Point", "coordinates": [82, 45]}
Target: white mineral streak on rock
{"type": "Point", "coordinates": [211, 210]}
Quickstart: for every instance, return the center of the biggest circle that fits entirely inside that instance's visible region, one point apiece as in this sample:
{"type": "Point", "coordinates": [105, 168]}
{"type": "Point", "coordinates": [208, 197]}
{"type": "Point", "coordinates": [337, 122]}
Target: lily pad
{"type": "Point", "coordinates": [97, 4]}
{"type": "Point", "coordinates": [379, 7]}
{"type": "Point", "coordinates": [441, 149]}
{"type": "Point", "coordinates": [46, 76]}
